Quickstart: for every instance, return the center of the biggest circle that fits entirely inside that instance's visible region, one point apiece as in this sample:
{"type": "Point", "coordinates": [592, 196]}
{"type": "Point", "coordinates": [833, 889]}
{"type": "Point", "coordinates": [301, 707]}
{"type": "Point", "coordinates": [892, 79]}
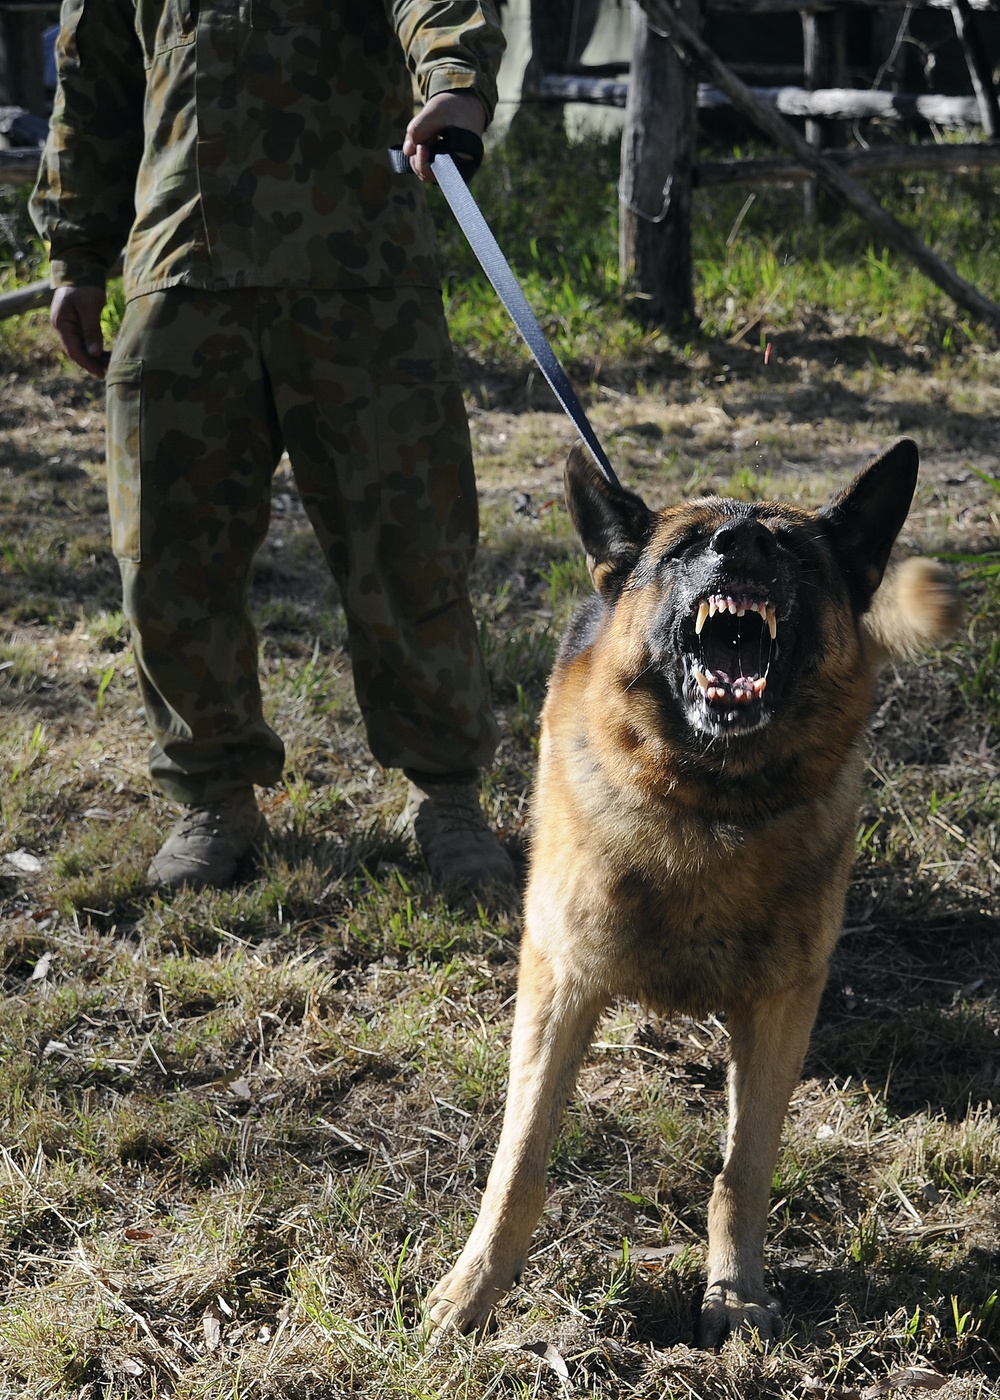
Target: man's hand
{"type": "Point", "coordinates": [76, 317]}
{"type": "Point", "coordinates": [444, 109]}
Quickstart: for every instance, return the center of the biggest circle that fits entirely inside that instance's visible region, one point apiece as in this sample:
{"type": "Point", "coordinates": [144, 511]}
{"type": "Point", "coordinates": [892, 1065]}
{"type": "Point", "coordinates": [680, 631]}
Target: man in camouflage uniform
{"type": "Point", "coordinates": [282, 293]}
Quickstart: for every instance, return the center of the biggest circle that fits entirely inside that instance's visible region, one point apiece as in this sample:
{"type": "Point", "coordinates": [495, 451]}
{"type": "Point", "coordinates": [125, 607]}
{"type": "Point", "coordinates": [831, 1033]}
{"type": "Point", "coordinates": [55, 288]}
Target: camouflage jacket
{"type": "Point", "coordinates": [234, 143]}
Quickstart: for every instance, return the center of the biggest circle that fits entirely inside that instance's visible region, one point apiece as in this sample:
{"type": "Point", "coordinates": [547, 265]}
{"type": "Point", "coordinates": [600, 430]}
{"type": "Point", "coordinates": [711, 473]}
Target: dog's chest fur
{"type": "Point", "coordinates": [684, 895]}
{"type": "Point", "coordinates": [677, 907]}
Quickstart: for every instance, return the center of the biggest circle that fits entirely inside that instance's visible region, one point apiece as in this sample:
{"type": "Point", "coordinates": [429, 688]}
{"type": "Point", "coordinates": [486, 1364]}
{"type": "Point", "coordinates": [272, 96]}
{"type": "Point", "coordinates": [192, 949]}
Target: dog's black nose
{"type": "Point", "coordinates": [744, 543]}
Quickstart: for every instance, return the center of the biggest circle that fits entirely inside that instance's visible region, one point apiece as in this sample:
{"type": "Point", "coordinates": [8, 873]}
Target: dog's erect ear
{"type": "Point", "coordinates": [613, 524]}
{"type": "Point", "coordinates": [864, 520]}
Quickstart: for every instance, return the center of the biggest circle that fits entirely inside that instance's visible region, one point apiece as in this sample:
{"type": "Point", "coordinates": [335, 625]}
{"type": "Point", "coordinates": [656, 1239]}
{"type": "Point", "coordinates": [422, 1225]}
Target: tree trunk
{"type": "Point", "coordinates": [658, 155]}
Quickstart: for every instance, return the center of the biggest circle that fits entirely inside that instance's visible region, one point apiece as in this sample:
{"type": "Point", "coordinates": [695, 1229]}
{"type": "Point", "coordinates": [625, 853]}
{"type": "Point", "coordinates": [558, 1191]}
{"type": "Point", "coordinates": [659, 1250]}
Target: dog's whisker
{"type": "Point", "coordinates": [635, 679]}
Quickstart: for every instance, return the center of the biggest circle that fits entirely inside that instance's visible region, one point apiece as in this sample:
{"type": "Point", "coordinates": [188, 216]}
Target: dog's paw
{"type": "Point", "coordinates": [724, 1314]}
{"type": "Point", "coordinates": [462, 1302]}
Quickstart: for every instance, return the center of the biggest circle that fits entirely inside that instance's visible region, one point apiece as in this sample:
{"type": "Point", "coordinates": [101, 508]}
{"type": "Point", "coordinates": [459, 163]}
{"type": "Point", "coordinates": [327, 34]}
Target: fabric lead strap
{"type": "Point", "coordinates": [497, 269]}
{"type": "Point", "coordinates": [508, 289]}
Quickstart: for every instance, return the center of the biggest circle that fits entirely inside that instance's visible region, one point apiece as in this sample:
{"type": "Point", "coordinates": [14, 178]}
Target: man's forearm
{"type": "Point", "coordinates": [83, 203]}
{"type": "Point", "coordinates": [451, 46]}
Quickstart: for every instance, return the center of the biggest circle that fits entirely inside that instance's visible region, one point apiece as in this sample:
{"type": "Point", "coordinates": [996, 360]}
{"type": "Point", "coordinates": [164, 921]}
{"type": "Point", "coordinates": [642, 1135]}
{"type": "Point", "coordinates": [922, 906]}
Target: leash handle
{"type": "Point", "coordinates": [465, 148]}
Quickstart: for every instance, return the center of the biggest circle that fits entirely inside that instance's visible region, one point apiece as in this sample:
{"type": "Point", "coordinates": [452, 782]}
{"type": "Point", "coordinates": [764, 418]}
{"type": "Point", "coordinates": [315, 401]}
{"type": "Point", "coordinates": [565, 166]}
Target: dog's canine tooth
{"type": "Point", "coordinates": [704, 613]}
{"type": "Point", "coordinates": [702, 680]}
{"type": "Point", "coordinates": [771, 618]}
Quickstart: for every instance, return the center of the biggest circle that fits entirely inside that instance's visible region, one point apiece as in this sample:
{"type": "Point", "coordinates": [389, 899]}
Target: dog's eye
{"type": "Point", "coordinates": [686, 541]}
{"type": "Point", "coordinates": [785, 536]}
{"type": "Point", "coordinates": [795, 540]}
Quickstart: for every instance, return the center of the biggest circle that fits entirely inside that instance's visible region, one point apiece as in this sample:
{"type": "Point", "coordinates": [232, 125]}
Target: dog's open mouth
{"type": "Point", "coordinates": [735, 641]}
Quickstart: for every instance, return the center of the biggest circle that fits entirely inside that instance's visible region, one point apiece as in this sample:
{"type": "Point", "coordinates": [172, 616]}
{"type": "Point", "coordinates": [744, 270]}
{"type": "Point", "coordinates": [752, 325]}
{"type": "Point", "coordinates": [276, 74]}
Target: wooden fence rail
{"type": "Point", "coordinates": [29, 298]}
{"type": "Point", "coordinates": [19, 167]}
{"type": "Point", "coordinates": [835, 104]}
{"type": "Point", "coordinates": [789, 7]}
{"type": "Point", "coordinates": [958, 159]}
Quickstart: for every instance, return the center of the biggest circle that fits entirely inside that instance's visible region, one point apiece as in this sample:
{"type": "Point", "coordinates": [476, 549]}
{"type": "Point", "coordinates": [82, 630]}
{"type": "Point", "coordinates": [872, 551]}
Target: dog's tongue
{"type": "Point", "coordinates": [720, 681]}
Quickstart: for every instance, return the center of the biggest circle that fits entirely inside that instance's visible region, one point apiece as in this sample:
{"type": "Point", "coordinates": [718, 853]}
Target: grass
{"type": "Point", "coordinates": [244, 1132]}
{"type": "Point", "coordinates": [756, 277]}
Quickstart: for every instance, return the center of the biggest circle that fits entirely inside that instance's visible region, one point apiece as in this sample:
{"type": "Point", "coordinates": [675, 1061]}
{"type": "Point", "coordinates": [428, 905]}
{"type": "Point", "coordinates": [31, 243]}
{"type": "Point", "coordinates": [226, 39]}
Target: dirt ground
{"type": "Point", "coordinates": [888, 1196]}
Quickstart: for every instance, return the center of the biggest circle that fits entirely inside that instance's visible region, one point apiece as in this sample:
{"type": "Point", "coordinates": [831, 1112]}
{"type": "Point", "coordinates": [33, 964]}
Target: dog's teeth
{"type": "Point", "coordinates": [719, 604]}
{"type": "Point", "coordinates": [702, 680]}
{"type": "Point", "coordinates": [760, 685]}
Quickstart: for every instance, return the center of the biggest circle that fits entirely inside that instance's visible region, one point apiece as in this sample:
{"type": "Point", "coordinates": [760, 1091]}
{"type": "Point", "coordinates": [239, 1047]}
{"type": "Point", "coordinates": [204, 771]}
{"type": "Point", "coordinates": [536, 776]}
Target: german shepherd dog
{"type": "Point", "coordinates": [694, 821]}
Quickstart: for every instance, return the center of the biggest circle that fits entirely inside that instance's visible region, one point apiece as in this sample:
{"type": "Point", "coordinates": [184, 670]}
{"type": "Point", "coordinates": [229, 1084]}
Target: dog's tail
{"type": "Point", "coordinates": [917, 606]}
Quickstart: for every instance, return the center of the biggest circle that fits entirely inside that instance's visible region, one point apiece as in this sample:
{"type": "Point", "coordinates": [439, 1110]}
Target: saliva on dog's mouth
{"type": "Point", "coordinates": [726, 675]}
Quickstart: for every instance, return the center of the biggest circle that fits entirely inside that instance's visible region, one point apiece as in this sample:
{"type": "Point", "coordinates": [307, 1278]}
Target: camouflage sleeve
{"type": "Point", "coordinates": [83, 202]}
{"type": "Point", "coordinates": [451, 44]}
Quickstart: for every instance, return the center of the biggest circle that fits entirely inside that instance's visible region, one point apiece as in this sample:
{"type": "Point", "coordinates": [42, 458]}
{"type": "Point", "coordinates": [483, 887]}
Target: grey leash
{"type": "Point", "coordinates": [454, 141]}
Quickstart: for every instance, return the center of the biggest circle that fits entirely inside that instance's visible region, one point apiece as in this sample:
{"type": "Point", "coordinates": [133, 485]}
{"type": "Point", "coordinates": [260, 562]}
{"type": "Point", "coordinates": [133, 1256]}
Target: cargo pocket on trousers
{"type": "Point", "coordinates": [124, 408]}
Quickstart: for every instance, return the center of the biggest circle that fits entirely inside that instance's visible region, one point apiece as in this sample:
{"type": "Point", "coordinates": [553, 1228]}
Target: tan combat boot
{"type": "Point", "coordinates": [207, 842]}
{"type": "Point", "coordinates": [460, 849]}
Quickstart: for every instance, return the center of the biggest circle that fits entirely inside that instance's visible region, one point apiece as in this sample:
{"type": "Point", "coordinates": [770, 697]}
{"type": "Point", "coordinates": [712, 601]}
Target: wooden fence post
{"type": "Point", "coordinates": [21, 60]}
{"type": "Point", "coordinates": [824, 55]}
{"type": "Point", "coordinates": [550, 24]}
{"type": "Point", "coordinates": [658, 156]}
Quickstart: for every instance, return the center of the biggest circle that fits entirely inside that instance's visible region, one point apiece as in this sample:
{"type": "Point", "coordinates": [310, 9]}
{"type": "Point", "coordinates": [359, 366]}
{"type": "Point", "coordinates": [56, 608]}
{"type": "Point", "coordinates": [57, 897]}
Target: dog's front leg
{"type": "Point", "coordinates": [553, 1025]}
{"type": "Point", "coordinates": [767, 1044]}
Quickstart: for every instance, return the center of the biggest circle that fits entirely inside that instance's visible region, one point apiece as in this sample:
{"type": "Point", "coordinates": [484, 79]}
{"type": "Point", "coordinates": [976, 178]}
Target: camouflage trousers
{"type": "Point", "coordinates": [205, 391]}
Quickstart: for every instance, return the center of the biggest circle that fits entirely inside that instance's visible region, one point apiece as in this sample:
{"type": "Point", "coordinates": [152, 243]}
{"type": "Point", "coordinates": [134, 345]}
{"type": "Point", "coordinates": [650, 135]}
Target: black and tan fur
{"type": "Point", "coordinates": [694, 828]}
